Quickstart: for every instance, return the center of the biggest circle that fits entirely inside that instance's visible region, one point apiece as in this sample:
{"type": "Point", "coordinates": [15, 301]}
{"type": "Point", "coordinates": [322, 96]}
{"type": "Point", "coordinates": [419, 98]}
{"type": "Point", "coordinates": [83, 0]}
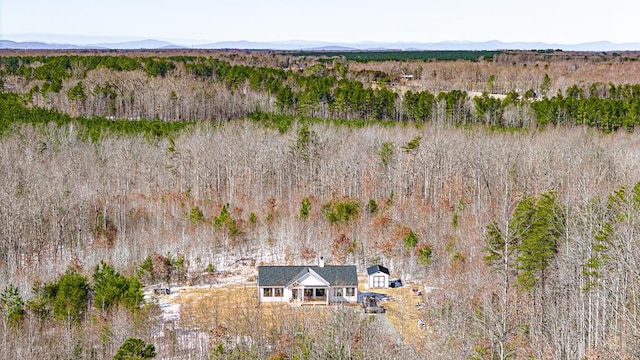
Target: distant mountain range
{"type": "Point", "coordinates": [324, 46]}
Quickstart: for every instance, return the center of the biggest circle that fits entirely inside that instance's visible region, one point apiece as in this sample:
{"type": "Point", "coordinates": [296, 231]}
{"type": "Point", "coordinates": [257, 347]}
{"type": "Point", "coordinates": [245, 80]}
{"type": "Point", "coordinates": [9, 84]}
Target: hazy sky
{"type": "Point", "coordinates": [201, 21]}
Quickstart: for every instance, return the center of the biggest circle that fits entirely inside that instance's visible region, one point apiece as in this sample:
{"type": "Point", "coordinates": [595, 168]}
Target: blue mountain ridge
{"type": "Point", "coordinates": [326, 46]}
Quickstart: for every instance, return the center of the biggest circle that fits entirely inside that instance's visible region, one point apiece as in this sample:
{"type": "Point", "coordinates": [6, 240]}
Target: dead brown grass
{"type": "Point", "coordinates": [234, 310]}
{"type": "Point", "coordinates": [203, 307]}
{"type": "Point", "coordinates": [403, 314]}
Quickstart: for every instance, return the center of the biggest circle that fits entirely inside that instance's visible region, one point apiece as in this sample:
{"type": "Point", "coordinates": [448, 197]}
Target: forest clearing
{"type": "Point", "coordinates": [202, 315]}
{"type": "Point", "coordinates": [126, 170]}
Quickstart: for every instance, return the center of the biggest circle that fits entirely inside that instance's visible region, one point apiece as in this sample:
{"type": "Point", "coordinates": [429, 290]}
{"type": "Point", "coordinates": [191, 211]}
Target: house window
{"type": "Point", "coordinates": [339, 292]}
{"type": "Point", "coordinates": [308, 292]}
{"type": "Point", "coordinates": [267, 292]}
{"type": "Point", "coordinates": [351, 291]}
{"type": "Point", "coordinates": [378, 282]}
{"type": "Point", "coordinates": [319, 292]}
{"type": "Point", "coordinates": [277, 292]}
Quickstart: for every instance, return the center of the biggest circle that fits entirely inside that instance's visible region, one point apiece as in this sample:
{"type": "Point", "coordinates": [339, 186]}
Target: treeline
{"type": "Point", "coordinates": [606, 107]}
{"type": "Point", "coordinates": [319, 91]}
{"type": "Point", "coordinates": [54, 69]}
{"type": "Point", "coordinates": [389, 55]}
{"type": "Point", "coordinates": [13, 113]}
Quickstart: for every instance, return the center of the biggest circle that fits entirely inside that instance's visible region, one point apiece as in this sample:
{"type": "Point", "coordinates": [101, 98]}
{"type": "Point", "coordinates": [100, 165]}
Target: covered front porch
{"type": "Point", "coordinates": [309, 288]}
{"type": "Point", "coordinates": [310, 294]}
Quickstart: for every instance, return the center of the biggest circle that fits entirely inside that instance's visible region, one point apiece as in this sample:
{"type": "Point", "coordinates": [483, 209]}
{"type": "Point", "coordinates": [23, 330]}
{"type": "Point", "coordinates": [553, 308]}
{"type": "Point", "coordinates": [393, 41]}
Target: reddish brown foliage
{"type": "Point", "coordinates": [342, 246]}
{"type": "Point", "coordinates": [308, 254]}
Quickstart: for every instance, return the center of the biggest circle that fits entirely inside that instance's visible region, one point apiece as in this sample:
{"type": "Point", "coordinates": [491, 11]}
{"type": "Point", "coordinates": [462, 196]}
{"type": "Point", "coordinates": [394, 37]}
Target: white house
{"type": "Point", "coordinates": [308, 284]}
{"type": "Point", "coordinates": [378, 277]}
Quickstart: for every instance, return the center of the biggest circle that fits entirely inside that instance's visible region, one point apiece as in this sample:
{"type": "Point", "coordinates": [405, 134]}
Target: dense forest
{"type": "Point", "coordinates": [511, 183]}
{"type": "Point", "coordinates": [184, 87]}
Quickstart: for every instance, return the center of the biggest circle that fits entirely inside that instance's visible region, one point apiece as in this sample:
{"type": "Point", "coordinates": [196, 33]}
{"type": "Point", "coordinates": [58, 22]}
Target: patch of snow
{"type": "Point", "coordinates": [168, 303]}
{"type": "Point", "coordinates": [170, 311]}
{"type": "Point", "coordinates": [428, 289]}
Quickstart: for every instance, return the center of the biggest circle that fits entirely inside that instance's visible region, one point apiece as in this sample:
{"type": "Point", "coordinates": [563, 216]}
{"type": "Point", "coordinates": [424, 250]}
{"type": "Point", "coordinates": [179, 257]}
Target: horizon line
{"type": "Point", "coordinates": [98, 39]}
{"type": "Point", "coordinates": [134, 43]}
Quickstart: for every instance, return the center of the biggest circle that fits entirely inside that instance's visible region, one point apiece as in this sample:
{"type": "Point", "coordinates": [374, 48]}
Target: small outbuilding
{"type": "Point", "coordinates": [378, 277]}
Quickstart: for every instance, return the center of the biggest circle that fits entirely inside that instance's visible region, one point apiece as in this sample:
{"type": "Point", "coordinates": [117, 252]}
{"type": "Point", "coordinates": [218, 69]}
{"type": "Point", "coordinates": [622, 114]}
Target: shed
{"type": "Point", "coordinates": [378, 277]}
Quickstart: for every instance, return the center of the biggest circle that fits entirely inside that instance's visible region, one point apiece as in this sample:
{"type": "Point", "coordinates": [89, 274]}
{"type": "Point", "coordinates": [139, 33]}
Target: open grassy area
{"type": "Point", "coordinates": [233, 310]}
{"type": "Point", "coordinates": [403, 313]}
{"type": "Point", "coordinates": [204, 307]}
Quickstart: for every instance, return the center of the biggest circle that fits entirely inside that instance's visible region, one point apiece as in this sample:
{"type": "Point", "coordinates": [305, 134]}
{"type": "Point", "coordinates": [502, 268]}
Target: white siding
{"type": "Point", "coordinates": [312, 280]}
{"type": "Point", "coordinates": [378, 280]}
{"type": "Point", "coordinates": [286, 294]}
{"type": "Point", "coordinates": [338, 294]}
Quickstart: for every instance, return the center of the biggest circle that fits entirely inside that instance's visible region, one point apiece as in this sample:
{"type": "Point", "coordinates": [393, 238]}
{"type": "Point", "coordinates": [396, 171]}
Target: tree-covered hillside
{"type": "Point", "coordinates": [125, 171]}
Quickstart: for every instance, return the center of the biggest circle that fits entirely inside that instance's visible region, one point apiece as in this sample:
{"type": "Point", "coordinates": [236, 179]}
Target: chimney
{"type": "Point", "coordinates": [321, 261]}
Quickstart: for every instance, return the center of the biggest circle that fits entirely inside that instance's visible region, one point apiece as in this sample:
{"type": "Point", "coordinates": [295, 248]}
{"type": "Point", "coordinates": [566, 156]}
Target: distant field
{"type": "Point", "coordinates": [431, 55]}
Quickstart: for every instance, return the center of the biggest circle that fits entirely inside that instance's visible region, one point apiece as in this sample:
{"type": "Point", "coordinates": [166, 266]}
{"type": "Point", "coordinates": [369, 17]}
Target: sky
{"type": "Point", "coordinates": [343, 21]}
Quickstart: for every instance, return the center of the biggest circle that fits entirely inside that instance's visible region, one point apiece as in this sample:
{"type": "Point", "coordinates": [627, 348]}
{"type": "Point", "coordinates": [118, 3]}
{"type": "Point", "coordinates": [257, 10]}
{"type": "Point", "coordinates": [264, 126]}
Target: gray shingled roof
{"type": "Point", "coordinates": [304, 271]}
{"type": "Point", "coordinates": [375, 268]}
{"type": "Point", "coordinates": [282, 275]}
